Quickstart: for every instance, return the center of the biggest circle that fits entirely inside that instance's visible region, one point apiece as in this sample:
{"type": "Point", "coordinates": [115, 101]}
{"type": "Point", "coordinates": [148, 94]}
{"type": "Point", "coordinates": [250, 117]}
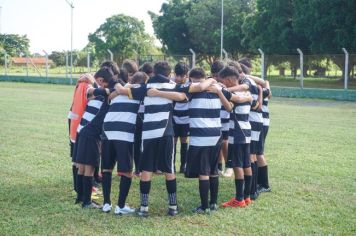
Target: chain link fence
{"type": "Point", "coordinates": [319, 71]}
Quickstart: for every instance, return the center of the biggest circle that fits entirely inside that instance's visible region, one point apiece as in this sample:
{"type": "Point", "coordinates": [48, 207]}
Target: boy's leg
{"type": "Point", "coordinates": [204, 186]}
{"type": "Point", "coordinates": [79, 184]}
{"type": "Point", "coordinates": [125, 166]}
{"type": "Point", "coordinates": [145, 187]}
{"type": "Point", "coordinates": [87, 186]}
{"type": "Point", "coordinates": [183, 153]}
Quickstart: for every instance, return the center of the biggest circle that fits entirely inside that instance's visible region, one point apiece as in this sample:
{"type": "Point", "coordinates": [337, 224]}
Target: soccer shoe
{"type": "Point", "coordinates": [262, 189]}
{"type": "Point", "coordinates": [254, 196]}
{"type": "Point", "coordinates": [248, 201]}
{"type": "Point", "coordinates": [124, 211]}
{"type": "Point", "coordinates": [199, 210]}
{"type": "Point", "coordinates": [228, 173]}
{"type": "Point", "coordinates": [77, 201]}
{"type": "Point", "coordinates": [141, 213]}
{"type": "Point", "coordinates": [234, 203]}
{"type": "Point", "coordinates": [107, 208]}
{"type": "Point", "coordinates": [94, 196]}
{"type": "Point", "coordinates": [214, 207]}
{"type": "Point", "coordinates": [92, 205]}
{"type": "Point", "coordinates": [173, 211]}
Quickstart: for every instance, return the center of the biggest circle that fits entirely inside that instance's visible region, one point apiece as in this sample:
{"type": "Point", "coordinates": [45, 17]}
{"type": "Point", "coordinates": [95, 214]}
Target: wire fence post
{"type": "Point", "coordinates": [66, 52]}
{"type": "Point", "coordinates": [46, 54]}
{"type": "Point", "coordinates": [111, 55]}
{"type": "Point", "coordinates": [301, 65]}
{"type": "Point", "coordinates": [88, 62]}
{"type": "Point", "coordinates": [262, 63]}
{"type": "Point", "coordinates": [226, 55]}
{"type": "Point", "coordinates": [27, 60]}
{"type": "Point", "coordinates": [5, 63]}
{"type": "Point", "coordinates": [193, 57]}
{"type": "Point", "coordinates": [346, 76]}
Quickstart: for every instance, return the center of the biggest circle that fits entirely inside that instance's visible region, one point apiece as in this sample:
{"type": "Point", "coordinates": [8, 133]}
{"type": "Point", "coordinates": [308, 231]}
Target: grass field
{"type": "Point", "coordinates": [311, 149]}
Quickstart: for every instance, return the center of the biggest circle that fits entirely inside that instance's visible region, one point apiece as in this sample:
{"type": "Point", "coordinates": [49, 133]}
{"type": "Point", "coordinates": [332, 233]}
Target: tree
{"type": "Point", "coordinates": [197, 26]}
{"type": "Point", "coordinates": [14, 44]}
{"type": "Point", "coordinates": [59, 58]}
{"type": "Point", "coordinates": [123, 35]}
{"type": "Point", "coordinates": [170, 27]}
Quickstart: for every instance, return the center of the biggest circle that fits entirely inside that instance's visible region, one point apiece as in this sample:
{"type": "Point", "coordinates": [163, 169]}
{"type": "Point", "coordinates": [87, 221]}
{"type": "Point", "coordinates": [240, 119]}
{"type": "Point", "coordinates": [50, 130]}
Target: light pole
{"type": "Point", "coordinates": [71, 40]}
{"type": "Point", "coordinates": [222, 30]}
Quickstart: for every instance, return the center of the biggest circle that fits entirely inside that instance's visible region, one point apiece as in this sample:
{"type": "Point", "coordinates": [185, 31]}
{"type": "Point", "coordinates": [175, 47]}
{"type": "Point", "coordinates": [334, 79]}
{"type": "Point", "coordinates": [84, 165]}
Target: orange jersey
{"type": "Point", "coordinates": [80, 101]}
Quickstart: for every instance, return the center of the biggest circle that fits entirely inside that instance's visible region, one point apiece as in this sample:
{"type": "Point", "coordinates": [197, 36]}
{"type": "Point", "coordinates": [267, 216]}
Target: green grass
{"type": "Point", "coordinates": [310, 149]}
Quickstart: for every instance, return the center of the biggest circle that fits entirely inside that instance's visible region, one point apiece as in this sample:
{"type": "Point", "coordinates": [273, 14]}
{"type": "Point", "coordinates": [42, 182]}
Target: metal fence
{"type": "Point", "coordinates": [298, 70]}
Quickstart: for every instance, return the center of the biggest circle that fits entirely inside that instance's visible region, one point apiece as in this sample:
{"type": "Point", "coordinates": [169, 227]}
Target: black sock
{"type": "Point", "coordinates": [125, 184]}
{"type": "Point", "coordinates": [253, 190]}
{"type": "Point", "coordinates": [263, 172]}
{"type": "Point", "coordinates": [87, 188]}
{"type": "Point", "coordinates": [239, 185]}
{"type": "Point", "coordinates": [259, 176]}
{"type": "Point", "coordinates": [183, 154]}
{"type": "Point", "coordinates": [214, 189]}
{"type": "Point", "coordinates": [107, 176]}
{"type": "Point", "coordinates": [171, 186]}
{"type": "Point", "coordinates": [96, 175]}
{"type": "Point", "coordinates": [79, 187]}
{"type": "Point", "coordinates": [220, 166]}
{"type": "Point", "coordinates": [248, 182]}
{"type": "Point", "coordinates": [145, 187]}
{"type": "Point", "coordinates": [75, 172]}
{"type": "Point", "coordinates": [204, 186]}
{"type": "Point", "coordinates": [256, 176]}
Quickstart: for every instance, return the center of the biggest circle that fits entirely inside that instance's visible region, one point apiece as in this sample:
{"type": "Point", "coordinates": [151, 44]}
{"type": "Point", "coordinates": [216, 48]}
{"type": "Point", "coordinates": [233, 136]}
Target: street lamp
{"type": "Point", "coordinates": [71, 40]}
{"type": "Point", "coordinates": [222, 30]}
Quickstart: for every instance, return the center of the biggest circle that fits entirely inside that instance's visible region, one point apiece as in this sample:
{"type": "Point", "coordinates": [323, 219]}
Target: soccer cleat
{"type": "Point", "coordinates": [77, 201]}
{"type": "Point", "coordinates": [124, 211]}
{"type": "Point", "coordinates": [228, 173]}
{"type": "Point", "coordinates": [214, 207]}
{"type": "Point", "coordinates": [200, 210]}
{"type": "Point", "coordinates": [92, 205]}
{"type": "Point", "coordinates": [234, 203]}
{"type": "Point", "coordinates": [173, 211]}
{"type": "Point", "coordinates": [254, 196]}
{"type": "Point", "coordinates": [262, 189]}
{"type": "Point", "coordinates": [142, 211]}
{"type": "Point", "coordinates": [107, 208]}
{"type": "Point", "coordinates": [248, 201]}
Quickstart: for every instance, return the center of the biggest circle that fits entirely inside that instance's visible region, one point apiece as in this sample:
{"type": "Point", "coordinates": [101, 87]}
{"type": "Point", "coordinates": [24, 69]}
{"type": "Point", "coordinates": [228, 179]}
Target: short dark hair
{"type": "Point", "coordinates": [147, 67]}
{"type": "Point", "coordinates": [162, 68]}
{"type": "Point", "coordinates": [181, 69]}
{"type": "Point", "coordinates": [124, 75]}
{"type": "Point", "coordinates": [106, 73]}
{"type": "Point", "coordinates": [245, 69]}
{"type": "Point", "coordinates": [228, 71]}
{"type": "Point", "coordinates": [216, 67]}
{"type": "Point", "coordinates": [236, 65]}
{"type": "Point", "coordinates": [130, 66]}
{"type": "Point", "coordinates": [197, 73]}
{"type": "Point", "coordinates": [112, 65]}
{"type": "Point", "coordinates": [139, 78]}
{"type": "Point", "coordinates": [246, 61]}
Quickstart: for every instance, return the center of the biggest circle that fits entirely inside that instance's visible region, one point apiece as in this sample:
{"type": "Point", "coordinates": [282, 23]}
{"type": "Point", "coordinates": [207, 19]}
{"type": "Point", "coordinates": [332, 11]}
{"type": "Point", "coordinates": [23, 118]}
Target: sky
{"type": "Point", "coordinates": [47, 22]}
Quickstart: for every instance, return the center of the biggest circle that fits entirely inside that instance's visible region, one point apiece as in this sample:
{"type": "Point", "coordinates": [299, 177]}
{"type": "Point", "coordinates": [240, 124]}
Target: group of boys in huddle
{"type": "Point", "coordinates": [132, 115]}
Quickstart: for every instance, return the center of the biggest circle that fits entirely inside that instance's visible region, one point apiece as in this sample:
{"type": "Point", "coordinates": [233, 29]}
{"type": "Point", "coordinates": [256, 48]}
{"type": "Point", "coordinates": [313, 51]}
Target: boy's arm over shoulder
{"type": "Point", "coordinates": [171, 95]}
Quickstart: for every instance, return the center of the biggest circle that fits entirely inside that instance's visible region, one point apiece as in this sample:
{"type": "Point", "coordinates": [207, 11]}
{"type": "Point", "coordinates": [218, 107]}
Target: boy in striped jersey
{"type": "Point", "coordinates": [89, 130]}
{"type": "Point", "coordinates": [262, 178]}
{"type": "Point", "coordinates": [117, 146]}
{"type": "Point", "coordinates": [181, 117]}
{"type": "Point", "coordinates": [157, 135]}
{"type": "Point", "coordinates": [215, 68]}
{"type": "Point", "coordinates": [239, 138]}
{"type": "Point", "coordinates": [147, 68]}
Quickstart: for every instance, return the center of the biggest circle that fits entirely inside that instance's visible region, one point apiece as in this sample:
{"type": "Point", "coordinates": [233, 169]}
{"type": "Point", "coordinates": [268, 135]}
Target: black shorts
{"type": "Point", "coordinates": [202, 161]}
{"type": "Point", "coordinates": [265, 132]}
{"type": "Point", "coordinates": [239, 156]}
{"type": "Point", "coordinates": [225, 135]}
{"type": "Point", "coordinates": [87, 151]}
{"type": "Point", "coordinates": [71, 149]}
{"type": "Point", "coordinates": [157, 154]}
{"type": "Point", "coordinates": [256, 146]}
{"type": "Point", "coordinates": [113, 151]}
{"type": "Point", "coordinates": [181, 130]}
{"type": "Point", "coordinates": [75, 149]}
